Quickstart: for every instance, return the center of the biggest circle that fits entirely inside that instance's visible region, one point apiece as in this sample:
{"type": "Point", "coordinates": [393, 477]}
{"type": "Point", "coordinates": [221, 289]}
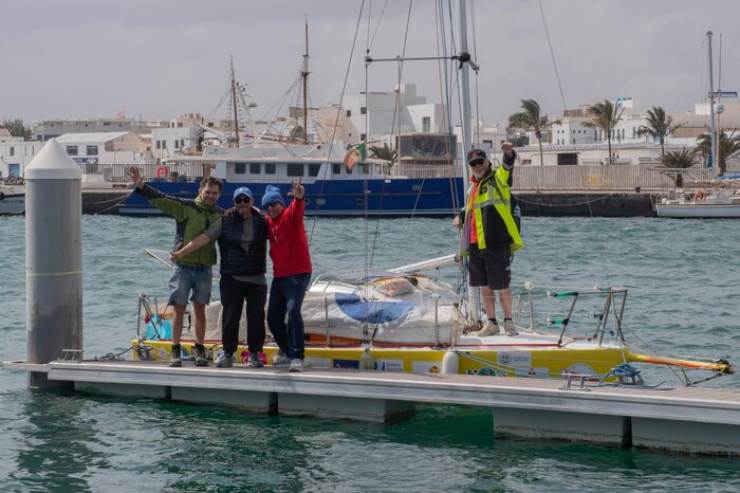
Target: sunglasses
{"type": "Point", "coordinates": [273, 204]}
{"type": "Point", "coordinates": [242, 200]}
{"type": "Point", "coordinates": [477, 162]}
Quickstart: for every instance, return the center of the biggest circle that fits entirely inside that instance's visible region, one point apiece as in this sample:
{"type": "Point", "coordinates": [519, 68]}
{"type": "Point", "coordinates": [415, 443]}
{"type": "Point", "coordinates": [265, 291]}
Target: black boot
{"type": "Point", "coordinates": [175, 358]}
{"type": "Point", "coordinates": [199, 352]}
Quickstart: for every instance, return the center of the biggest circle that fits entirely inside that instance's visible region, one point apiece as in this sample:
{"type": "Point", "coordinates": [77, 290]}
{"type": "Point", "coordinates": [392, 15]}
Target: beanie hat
{"type": "Point", "coordinates": [243, 191]}
{"type": "Point", "coordinates": [272, 194]}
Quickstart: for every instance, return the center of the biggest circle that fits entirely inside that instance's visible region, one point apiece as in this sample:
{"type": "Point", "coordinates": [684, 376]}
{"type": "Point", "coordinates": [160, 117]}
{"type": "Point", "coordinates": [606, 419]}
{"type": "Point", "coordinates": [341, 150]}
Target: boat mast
{"type": "Point", "coordinates": [465, 83]}
{"type": "Point", "coordinates": [714, 154]}
{"type": "Point", "coordinates": [233, 102]}
{"type": "Point", "coordinates": [464, 57]}
{"type": "Point", "coordinates": [304, 75]}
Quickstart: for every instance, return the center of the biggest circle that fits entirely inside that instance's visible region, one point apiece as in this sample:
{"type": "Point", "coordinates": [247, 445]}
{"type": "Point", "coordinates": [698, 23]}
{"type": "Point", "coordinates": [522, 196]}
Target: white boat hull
{"type": "Point", "coordinates": [698, 210]}
{"type": "Point", "coordinates": [13, 204]}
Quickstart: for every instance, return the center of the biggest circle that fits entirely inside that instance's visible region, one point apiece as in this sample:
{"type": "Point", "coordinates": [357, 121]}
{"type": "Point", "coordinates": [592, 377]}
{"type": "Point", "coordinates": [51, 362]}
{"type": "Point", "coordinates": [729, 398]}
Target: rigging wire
{"type": "Point", "coordinates": [396, 117]}
{"type": "Point", "coordinates": [377, 26]}
{"type": "Point", "coordinates": [475, 57]}
{"type": "Point", "coordinates": [339, 106]}
{"type": "Point", "coordinates": [552, 54]}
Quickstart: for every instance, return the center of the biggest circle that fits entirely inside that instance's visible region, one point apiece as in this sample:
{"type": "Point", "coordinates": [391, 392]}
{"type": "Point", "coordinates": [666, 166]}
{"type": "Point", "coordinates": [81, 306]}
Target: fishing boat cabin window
{"type": "Point", "coordinates": [72, 150]}
{"type": "Point", "coordinates": [313, 169]}
{"type": "Point", "coordinates": [92, 150]}
{"type": "Point", "coordinates": [295, 169]}
{"type": "Point", "coordinates": [336, 169]}
{"type": "Point", "coordinates": [363, 110]}
{"type": "Point", "coordinates": [269, 168]}
{"type": "Point", "coordinates": [255, 168]}
{"type": "Point", "coordinates": [240, 168]}
{"type": "Point", "coordinates": [349, 113]}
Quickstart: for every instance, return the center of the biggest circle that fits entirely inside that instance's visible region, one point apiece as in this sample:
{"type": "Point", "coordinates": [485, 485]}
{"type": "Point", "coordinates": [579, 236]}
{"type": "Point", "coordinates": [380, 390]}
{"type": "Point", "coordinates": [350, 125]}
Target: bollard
{"type": "Point", "coordinates": [53, 259]}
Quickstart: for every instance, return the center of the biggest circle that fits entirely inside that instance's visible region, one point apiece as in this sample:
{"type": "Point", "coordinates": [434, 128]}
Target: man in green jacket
{"type": "Point", "coordinates": [193, 273]}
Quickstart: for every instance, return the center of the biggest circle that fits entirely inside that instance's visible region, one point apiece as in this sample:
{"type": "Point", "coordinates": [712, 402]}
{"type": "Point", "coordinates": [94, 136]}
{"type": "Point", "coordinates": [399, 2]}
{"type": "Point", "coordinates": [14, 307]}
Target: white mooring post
{"type": "Point", "coordinates": [53, 259]}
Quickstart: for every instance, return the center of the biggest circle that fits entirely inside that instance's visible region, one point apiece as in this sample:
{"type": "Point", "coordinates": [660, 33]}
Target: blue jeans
{"type": "Point", "coordinates": [189, 278]}
{"type": "Point", "coordinates": [286, 298]}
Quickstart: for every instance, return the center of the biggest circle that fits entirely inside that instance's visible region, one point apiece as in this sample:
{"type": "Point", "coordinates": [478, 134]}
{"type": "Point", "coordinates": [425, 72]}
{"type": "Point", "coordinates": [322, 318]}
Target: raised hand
{"type": "Point", "coordinates": [508, 148]}
{"type": "Point", "coordinates": [298, 191]}
{"type": "Point", "coordinates": [135, 175]}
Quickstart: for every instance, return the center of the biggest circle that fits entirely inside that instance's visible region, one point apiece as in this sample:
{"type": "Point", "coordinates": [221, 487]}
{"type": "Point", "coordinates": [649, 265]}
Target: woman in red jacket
{"type": "Point", "coordinates": [291, 262]}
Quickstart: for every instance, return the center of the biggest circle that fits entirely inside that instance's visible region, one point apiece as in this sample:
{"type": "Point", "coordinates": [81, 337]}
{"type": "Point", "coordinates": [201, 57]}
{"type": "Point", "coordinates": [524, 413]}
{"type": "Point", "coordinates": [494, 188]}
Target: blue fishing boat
{"type": "Point", "coordinates": [372, 187]}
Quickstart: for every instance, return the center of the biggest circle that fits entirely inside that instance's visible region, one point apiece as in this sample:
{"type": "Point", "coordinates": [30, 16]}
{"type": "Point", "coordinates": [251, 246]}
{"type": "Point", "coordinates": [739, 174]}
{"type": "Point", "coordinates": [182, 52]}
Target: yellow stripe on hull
{"type": "Point", "coordinates": [539, 362]}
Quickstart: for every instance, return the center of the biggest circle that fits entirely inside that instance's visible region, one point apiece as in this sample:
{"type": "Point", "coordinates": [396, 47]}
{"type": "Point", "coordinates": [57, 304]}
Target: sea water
{"type": "Point", "coordinates": [684, 282]}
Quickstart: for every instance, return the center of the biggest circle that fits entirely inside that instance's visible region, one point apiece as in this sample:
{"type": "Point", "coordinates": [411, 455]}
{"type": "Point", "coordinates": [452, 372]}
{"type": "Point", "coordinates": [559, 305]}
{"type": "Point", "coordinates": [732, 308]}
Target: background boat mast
{"type": "Point", "coordinates": [304, 75]}
{"type": "Point", "coordinates": [714, 154]}
{"type": "Point", "coordinates": [233, 99]}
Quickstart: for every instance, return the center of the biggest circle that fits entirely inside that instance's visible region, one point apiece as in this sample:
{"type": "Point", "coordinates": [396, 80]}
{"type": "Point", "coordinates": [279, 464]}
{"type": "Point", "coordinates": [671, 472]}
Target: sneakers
{"type": "Point", "coordinates": [490, 328]}
{"type": "Point", "coordinates": [280, 359]}
{"type": "Point", "coordinates": [509, 327]}
{"type": "Point", "coordinates": [175, 358]}
{"type": "Point", "coordinates": [296, 365]}
{"type": "Point", "coordinates": [225, 360]}
{"type": "Point", "coordinates": [254, 361]}
{"type": "Point", "coordinates": [199, 354]}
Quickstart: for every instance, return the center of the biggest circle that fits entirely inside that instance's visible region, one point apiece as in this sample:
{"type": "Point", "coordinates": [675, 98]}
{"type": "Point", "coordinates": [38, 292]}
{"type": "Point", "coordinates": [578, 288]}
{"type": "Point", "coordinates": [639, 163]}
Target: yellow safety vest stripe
{"type": "Point", "coordinates": [498, 195]}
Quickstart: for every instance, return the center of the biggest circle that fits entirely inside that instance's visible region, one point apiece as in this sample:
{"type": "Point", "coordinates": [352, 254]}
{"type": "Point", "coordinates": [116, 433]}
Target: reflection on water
{"type": "Point", "coordinates": [55, 451]}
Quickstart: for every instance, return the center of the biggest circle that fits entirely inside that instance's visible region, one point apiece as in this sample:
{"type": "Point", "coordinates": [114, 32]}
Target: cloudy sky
{"type": "Point", "coordinates": [158, 59]}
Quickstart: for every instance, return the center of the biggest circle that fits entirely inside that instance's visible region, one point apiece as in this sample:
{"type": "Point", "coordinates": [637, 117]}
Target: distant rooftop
{"type": "Point", "coordinates": [89, 138]}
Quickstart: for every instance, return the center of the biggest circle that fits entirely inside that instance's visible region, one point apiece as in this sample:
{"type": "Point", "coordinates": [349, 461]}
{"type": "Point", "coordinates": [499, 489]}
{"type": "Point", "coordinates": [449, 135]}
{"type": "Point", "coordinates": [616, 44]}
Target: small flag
{"type": "Point", "coordinates": [355, 155]}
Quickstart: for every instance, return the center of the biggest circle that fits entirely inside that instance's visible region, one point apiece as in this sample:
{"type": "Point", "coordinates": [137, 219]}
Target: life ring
{"type": "Point", "coordinates": [699, 195]}
{"type": "Point", "coordinates": [163, 171]}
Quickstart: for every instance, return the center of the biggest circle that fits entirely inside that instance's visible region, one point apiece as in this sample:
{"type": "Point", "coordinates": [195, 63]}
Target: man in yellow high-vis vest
{"type": "Point", "coordinates": [491, 234]}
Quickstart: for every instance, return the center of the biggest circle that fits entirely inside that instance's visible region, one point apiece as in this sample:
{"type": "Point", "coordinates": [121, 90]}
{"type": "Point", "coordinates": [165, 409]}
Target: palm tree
{"type": "Point", "coordinates": [605, 116]}
{"type": "Point", "coordinates": [679, 160]}
{"type": "Point", "coordinates": [529, 119]}
{"type": "Point", "coordinates": [385, 153]}
{"type": "Point", "coordinates": [728, 145]}
{"type": "Point", "coordinates": [659, 126]}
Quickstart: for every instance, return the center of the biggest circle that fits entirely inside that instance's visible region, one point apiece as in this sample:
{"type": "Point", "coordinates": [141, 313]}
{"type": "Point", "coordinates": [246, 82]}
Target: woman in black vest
{"type": "Point", "coordinates": [242, 241]}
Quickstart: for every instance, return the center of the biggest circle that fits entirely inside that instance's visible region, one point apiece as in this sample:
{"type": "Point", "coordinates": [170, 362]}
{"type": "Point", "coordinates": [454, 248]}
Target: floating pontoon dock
{"type": "Point", "coordinates": [683, 419]}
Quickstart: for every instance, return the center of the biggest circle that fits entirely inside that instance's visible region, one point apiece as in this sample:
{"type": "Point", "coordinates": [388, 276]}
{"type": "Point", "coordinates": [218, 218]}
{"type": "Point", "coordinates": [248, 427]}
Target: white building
{"type": "Point", "coordinates": [106, 148]}
{"type": "Point", "coordinates": [51, 128]}
{"type": "Point", "coordinates": [175, 141]}
{"type": "Point", "coordinates": [390, 113]}
{"type": "Point", "coordinates": [15, 154]}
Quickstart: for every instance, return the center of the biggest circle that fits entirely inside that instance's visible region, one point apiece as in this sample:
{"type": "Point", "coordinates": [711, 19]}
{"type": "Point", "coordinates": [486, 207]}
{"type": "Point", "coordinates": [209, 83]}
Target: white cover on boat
{"type": "Point", "coordinates": [213, 322]}
{"type": "Point", "coordinates": [390, 309]}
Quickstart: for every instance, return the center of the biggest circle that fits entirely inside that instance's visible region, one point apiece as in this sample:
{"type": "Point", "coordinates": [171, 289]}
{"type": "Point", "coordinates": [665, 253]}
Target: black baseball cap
{"type": "Point", "coordinates": [476, 154]}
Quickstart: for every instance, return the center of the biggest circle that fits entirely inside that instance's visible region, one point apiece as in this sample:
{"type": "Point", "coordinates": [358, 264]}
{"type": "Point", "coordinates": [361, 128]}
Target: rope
{"type": "Point", "coordinates": [118, 202]}
{"type": "Point", "coordinates": [567, 205]}
{"type": "Point", "coordinates": [113, 356]}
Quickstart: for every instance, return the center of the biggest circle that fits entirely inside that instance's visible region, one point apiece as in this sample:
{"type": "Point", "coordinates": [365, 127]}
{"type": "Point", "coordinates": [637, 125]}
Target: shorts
{"type": "Point", "coordinates": [490, 267]}
{"type": "Point", "coordinates": [189, 278]}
